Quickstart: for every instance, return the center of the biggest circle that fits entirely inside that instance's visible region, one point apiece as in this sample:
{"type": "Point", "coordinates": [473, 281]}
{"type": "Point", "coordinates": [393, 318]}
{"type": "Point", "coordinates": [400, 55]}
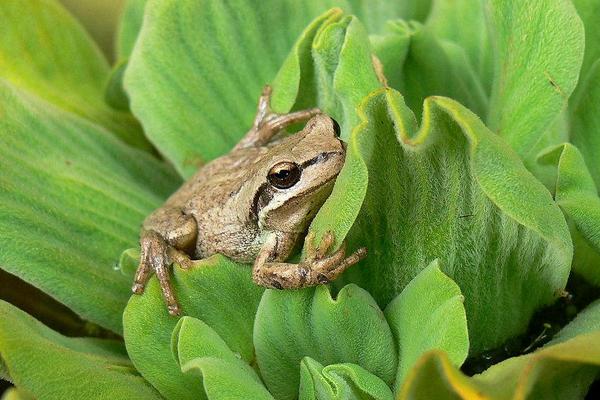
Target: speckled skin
{"type": "Point", "coordinates": [229, 207]}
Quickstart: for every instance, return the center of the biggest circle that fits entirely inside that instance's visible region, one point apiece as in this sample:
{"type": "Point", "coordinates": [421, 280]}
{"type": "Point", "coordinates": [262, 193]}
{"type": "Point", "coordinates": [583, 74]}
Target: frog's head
{"type": "Point", "coordinates": [299, 175]}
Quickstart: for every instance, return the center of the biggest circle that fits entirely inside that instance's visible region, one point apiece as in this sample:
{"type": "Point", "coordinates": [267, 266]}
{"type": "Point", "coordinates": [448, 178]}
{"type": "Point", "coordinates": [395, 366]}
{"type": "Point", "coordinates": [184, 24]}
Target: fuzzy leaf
{"type": "Point", "coordinates": [562, 369]}
{"type": "Point", "coordinates": [44, 51]}
{"type": "Point", "coordinates": [577, 196]}
{"type": "Point", "coordinates": [218, 292]}
{"type": "Point", "coordinates": [428, 314]}
{"type": "Point", "coordinates": [391, 263]}
{"type": "Point", "coordinates": [588, 320]}
{"type": "Point", "coordinates": [225, 380]}
{"type": "Point", "coordinates": [433, 67]}
{"type": "Point", "coordinates": [128, 32]}
{"type": "Point", "coordinates": [463, 22]}
{"type": "Point", "coordinates": [585, 121]}
{"type": "Point", "coordinates": [539, 51]}
{"type": "Point", "coordinates": [293, 324]}
{"type": "Point", "coordinates": [193, 339]}
{"type": "Point", "coordinates": [200, 351]}
{"type": "Point", "coordinates": [51, 366]}
{"type": "Point", "coordinates": [73, 197]}
{"type": "Point", "coordinates": [340, 381]}
{"type": "Point", "coordinates": [14, 393]}
{"type": "Point", "coordinates": [391, 48]}
{"type": "Point", "coordinates": [208, 84]}
{"type": "Point", "coordinates": [589, 12]}
{"type": "Point", "coordinates": [130, 26]}
{"type": "Point", "coordinates": [452, 190]}
{"type": "Point", "coordinates": [115, 95]}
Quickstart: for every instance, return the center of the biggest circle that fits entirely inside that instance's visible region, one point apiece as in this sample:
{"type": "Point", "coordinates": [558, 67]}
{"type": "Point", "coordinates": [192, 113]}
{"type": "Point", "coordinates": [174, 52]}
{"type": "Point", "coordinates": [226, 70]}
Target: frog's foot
{"type": "Point", "coordinates": [268, 123]}
{"type": "Point", "coordinates": [325, 269]}
{"type": "Point", "coordinates": [156, 256]}
{"type": "Point", "coordinates": [318, 268]}
{"type": "Point", "coordinates": [271, 122]}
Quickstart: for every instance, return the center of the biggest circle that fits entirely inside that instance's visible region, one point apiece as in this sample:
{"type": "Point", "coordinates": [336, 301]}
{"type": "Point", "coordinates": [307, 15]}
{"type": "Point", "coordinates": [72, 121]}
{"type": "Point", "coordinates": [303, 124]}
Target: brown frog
{"type": "Point", "coordinates": [253, 205]}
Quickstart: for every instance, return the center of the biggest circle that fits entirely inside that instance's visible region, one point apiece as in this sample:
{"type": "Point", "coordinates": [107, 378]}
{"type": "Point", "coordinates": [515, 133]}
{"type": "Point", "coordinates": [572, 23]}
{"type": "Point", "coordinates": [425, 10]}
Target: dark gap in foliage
{"type": "Point", "coordinates": [594, 392]}
{"type": "Point", "coordinates": [542, 327]}
{"type": "Point", "coordinates": [4, 385]}
{"type": "Point", "coordinates": [47, 310]}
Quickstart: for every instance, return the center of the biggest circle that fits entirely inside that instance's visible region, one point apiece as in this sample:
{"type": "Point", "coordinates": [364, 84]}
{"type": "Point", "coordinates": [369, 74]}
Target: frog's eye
{"type": "Point", "coordinates": [284, 175]}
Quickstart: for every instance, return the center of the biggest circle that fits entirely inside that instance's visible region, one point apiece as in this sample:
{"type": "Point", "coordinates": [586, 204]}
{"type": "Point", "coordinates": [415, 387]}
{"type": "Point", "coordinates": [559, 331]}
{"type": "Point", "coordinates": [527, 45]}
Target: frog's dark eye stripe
{"type": "Point", "coordinates": [263, 196]}
{"type": "Point", "coordinates": [322, 157]}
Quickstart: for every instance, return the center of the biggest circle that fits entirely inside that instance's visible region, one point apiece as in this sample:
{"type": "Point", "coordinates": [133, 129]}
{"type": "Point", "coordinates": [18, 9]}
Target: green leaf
{"type": "Point", "coordinates": [585, 121]}
{"type": "Point", "coordinates": [539, 51]}
{"type": "Point", "coordinates": [73, 197]}
{"type": "Point", "coordinates": [201, 351]}
{"type": "Point", "coordinates": [14, 393]}
{"type": "Point", "coordinates": [455, 191]}
{"type": "Point", "coordinates": [391, 48]}
{"type": "Point", "coordinates": [430, 303]}
{"type": "Point", "coordinates": [562, 369]}
{"type": "Point", "coordinates": [130, 26]}
{"type": "Point", "coordinates": [114, 94]}
{"type": "Point", "coordinates": [44, 51]}
{"type": "Point", "coordinates": [432, 68]}
{"type": "Point", "coordinates": [293, 324]}
{"type": "Point", "coordinates": [129, 262]}
{"type": "Point", "coordinates": [208, 84]}
{"type": "Point", "coordinates": [224, 380]}
{"type": "Point", "coordinates": [51, 366]}
{"type": "Point", "coordinates": [193, 339]}
{"type": "Point", "coordinates": [589, 12]}
{"type": "Point", "coordinates": [217, 291]}
{"type": "Point", "coordinates": [417, 10]}
{"type": "Point", "coordinates": [463, 22]}
{"type": "Point", "coordinates": [340, 381]}
{"type": "Point", "coordinates": [577, 196]}
{"type": "Point", "coordinates": [586, 321]}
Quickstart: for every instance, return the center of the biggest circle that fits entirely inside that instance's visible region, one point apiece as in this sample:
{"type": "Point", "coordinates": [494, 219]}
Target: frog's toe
{"type": "Point", "coordinates": [142, 275]}
{"type": "Point", "coordinates": [162, 273]}
{"type": "Point", "coordinates": [331, 268]}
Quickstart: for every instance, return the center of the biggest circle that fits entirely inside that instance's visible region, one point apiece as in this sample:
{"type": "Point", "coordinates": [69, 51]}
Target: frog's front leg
{"type": "Point", "coordinates": [317, 268]}
{"type": "Point", "coordinates": [267, 123]}
{"type": "Point", "coordinates": [166, 236]}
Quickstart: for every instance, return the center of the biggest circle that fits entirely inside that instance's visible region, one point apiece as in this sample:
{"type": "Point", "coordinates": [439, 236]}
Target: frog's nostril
{"type": "Point", "coordinates": [336, 127]}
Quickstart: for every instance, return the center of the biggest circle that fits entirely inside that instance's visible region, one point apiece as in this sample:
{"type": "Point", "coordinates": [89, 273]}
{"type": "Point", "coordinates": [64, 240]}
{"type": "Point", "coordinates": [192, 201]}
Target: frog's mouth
{"type": "Point", "coordinates": [326, 184]}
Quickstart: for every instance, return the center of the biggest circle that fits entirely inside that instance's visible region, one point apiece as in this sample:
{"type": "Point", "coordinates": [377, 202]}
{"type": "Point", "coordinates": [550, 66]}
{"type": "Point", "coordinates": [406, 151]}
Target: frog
{"type": "Point", "coordinates": [254, 205]}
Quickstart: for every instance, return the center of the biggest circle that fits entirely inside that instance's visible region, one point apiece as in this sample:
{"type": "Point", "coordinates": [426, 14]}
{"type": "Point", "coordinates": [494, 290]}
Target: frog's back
{"type": "Point", "coordinates": [213, 196]}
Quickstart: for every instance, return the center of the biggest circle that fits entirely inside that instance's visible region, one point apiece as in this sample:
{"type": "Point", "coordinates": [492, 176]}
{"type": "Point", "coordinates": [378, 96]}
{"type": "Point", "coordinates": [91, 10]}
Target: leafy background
{"type": "Point", "coordinates": [475, 206]}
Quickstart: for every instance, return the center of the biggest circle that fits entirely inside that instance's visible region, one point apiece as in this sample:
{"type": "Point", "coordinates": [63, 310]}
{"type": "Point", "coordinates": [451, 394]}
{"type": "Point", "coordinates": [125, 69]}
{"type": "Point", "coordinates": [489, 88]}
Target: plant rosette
{"type": "Point", "coordinates": [471, 176]}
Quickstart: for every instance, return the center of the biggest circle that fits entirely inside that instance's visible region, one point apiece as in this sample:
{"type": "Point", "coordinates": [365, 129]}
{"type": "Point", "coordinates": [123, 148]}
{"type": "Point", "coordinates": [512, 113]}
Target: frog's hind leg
{"type": "Point", "coordinates": [165, 233]}
{"type": "Point", "coordinates": [268, 123]}
{"type": "Point", "coordinates": [154, 258]}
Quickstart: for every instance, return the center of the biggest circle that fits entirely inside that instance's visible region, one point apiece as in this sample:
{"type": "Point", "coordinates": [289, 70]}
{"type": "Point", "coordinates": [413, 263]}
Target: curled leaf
{"type": "Point", "coordinates": [340, 381]}
{"type": "Point", "coordinates": [577, 196]}
{"type": "Point", "coordinates": [201, 352]}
